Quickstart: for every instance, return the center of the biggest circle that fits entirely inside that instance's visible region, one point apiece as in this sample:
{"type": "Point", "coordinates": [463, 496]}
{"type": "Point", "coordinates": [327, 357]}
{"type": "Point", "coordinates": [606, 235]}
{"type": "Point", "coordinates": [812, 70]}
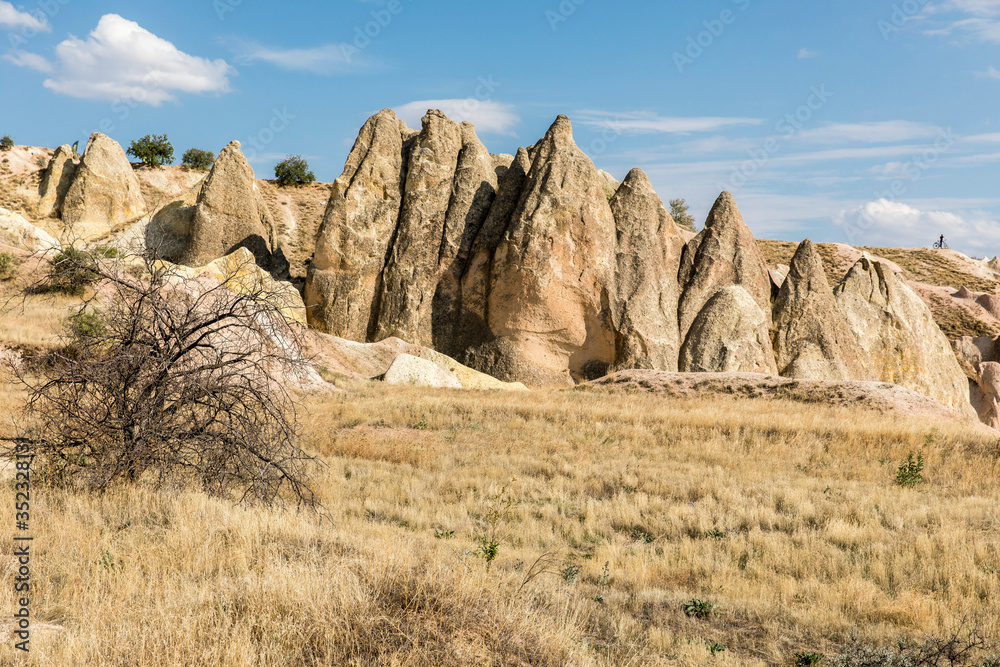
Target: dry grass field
{"type": "Point", "coordinates": [785, 516]}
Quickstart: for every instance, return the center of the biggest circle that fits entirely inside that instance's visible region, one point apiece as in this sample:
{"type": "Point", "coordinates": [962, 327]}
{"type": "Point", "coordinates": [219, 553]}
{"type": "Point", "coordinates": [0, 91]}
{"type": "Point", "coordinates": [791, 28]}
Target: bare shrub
{"type": "Point", "coordinates": [170, 379]}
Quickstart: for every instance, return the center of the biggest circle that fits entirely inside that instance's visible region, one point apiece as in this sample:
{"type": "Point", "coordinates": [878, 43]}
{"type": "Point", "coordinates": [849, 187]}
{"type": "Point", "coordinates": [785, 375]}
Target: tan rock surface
{"type": "Point", "coordinates": [105, 192]}
{"type": "Point", "coordinates": [730, 335]}
{"type": "Point", "coordinates": [811, 338]}
{"type": "Point", "coordinates": [231, 213]}
{"type": "Point", "coordinates": [414, 371]}
{"type": "Point", "coordinates": [17, 232]}
{"type": "Point", "coordinates": [723, 254]}
{"type": "Point", "coordinates": [898, 340]}
{"type": "Point", "coordinates": [56, 182]}
{"type": "Point", "coordinates": [358, 226]}
{"type": "Point", "coordinates": [548, 309]}
{"type": "Point", "coordinates": [644, 307]}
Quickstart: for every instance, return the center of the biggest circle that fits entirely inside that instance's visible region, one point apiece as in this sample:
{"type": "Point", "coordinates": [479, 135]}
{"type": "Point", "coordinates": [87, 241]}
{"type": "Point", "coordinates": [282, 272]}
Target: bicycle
{"type": "Point", "coordinates": [940, 245]}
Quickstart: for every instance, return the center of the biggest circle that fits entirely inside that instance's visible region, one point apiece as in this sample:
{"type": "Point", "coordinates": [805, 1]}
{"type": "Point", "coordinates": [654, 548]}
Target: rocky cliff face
{"type": "Point", "coordinates": [56, 182]}
{"type": "Point", "coordinates": [104, 193]}
{"type": "Point", "coordinates": [811, 338]}
{"type": "Point", "coordinates": [898, 340]}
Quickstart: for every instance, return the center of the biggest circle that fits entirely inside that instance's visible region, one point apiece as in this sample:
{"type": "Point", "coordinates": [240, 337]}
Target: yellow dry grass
{"type": "Point", "coordinates": [784, 515]}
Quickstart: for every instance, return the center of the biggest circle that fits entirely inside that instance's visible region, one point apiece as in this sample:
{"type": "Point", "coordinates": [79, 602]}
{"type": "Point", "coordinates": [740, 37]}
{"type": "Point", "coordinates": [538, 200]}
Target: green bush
{"type": "Point", "coordinates": [73, 270]}
{"type": "Point", "coordinates": [195, 158]}
{"type": "Point", "coordinates": [910, 471]}
{"type": "Point", "coordinates": [293, 169]}
{"type": "Point", "coordinates": [9, 266]}
{"type": "Point", "coordinates": [153, 150]}
{"type": "Point", "coordinates": [698, 608]}
{"type": "Point", "coordinates": [679, 211]}
{"type": "Point", "coordinates": [805, 659]}
{"type": "Point", "coordinates": [87, 324]}
{"type": "Point", "coordinates": [6, 143]}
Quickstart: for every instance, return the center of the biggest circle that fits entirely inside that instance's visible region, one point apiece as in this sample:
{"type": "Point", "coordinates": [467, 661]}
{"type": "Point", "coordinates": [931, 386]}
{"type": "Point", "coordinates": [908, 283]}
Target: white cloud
{"type": "Point", "coordinates": [650, 123]}
{"type": "Point", "coordinates": [889, 131]}
{"type": "Point", "coordinates": [896, 224]}
{"type": "Point", "coordinates": [486, 115]}
{"type": "Point", "coordinates": [121, 60]}
{"type": "Point", "coordinates": [990, 73]}
{"type": "Point", "coordinates": [974, 7]}
{"type": "Point", "coordinates": [982, 23]}
{"type": "Point", "coordinates": [29, 60]}
{"type": "Point", "coordinates": [807, 53]}
{"type": "Point", "coordinates": [13, 19]}
{"type": "Point", "coordinates": [328, 59]}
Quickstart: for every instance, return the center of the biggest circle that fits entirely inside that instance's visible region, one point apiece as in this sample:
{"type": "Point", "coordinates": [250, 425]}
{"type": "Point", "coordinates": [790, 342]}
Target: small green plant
{"type": "Point", "coordinates": [153, 150]}
{"type": "Point", "coordinates": [442, 534]}
{"type": "Point", "coordinates": [293, 169]}
{"type": "Point", "coordinates": [679, 212]}
{"type": "Point", "coordinates": [910, 472]}
{"type": "Point", "coordinates": [715, 534]}
{"type": "Point", "coordinates": [197, 159]}
{"type": "Point", "coordinates": [9, 266]}
{"type": "Point", "coordinates": [715, 648]}
{"type": "Point", "coordinates": [698, 608]}
{"type": "Point", "coordinates": [107, 561]}
{"type": "Point", "coordinates": [87, 324]}
{"type": "Point", "coordinates": [605, 579]}
{"type": "Point", "coordinates": [499, 512]}
{"type": "Point", "coordinates": [804, 658]}
{"type": "Point", "coordinates": [569, 572]}
{"type": "Point", "coordinates": [71, 271]}
{"type": "Point", "coordinates": [6, 143]}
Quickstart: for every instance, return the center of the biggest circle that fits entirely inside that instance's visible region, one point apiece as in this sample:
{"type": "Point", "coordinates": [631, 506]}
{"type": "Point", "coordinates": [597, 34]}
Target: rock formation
{"type": "Point", "coordinates": [105, 191]}
{"type": "Point", "coordinates": [357, 231]}
{"type": "Point", "coordinates": [898, 340]}
{"type": "Point", "coordinates": [17, 232]}
{"type": "Point", "coordinates": [729, 335]}
{"type": "Point", "coordinates": [644, 307]}
{"type": "Point", "coordinates": [552, 279]}
{"type": "Point", "coordinates": [811, 338]}
{"type": "Point", "coordinates": [414, 371]}
{"type": "Point", "coordinates": [231, 213]}
{"type": "Point", "coordinates": [723, 254]}
{"type": "Point", "coordinates": [56, 182]}
{"type": "Point", "coordinates": [406, 297]}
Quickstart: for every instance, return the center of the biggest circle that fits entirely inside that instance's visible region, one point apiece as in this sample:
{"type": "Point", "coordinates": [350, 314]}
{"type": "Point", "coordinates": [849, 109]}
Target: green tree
{"type": "Point", "coordinates": [6, 143]}
{"type": "Point", "coordinates": [293, 169]}
{"type": "Point", "coordinates": [195, 158]}
{"type": "Point", "coordinates": [153, 150]}
{"type": "Point", "coordinates": [679, 211]}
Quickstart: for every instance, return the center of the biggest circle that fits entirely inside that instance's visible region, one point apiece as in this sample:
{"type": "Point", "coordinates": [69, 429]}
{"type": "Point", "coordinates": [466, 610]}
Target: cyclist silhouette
{"type": "Point", "coordinates": [940, 245]}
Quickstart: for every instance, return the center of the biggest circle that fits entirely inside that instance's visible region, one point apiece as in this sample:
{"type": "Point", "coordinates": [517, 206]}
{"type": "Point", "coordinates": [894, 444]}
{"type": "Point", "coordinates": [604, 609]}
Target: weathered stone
{"type": "Point", "coordinates": [644, 307]}
{"type": "Point", "coordinates": [471, 329]}
{"type": "Point", "coordinates": [56, 182]}
{"type": "Point", "coordinates": [231, 213]}
{"type": "Point", "coordinates": [811, 338]}
{"type": "Point", "coordinates": [898, 339]}
{"type": "Point", "coordinates": [729, 335]}
{"type": "Point", "coordinates": [724, 253]}
{"type": "Point", "coordinates": [353, 242]}
{"type": "Point", "coordinates": [414, 371]}
{"type": "Point", "coordinates": [552, 279]}
{"type": "Point", "coordinates": [473, 191]}
{"type": "Point", "coordinates": [410, 277]}
{"type": "Point", "coordinates": [17, 232]}
{"type": "Point", "coordinates": [105, 191]}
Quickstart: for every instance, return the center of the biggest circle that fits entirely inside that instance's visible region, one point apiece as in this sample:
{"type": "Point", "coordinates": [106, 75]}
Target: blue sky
{"type": "Point", "coordinates": [862, 121]}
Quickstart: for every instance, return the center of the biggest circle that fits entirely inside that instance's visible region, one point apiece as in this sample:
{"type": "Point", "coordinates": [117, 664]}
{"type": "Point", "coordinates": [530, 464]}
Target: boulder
{"type": "Point", "coordinates": [411, 275]}
{"type": "Point", "coordinates": [987, 403]}
{"type": "Point", "coordinates": [644, 306]}
{"type": "Point", "coordinates": [991, 304]}
{"type": "Point", "coordinates": [552, 275]}
{"type": "Point", "coordinates": [353, 241]}
{"type": "Point", "coordinates": [811, 338]}
{"type": "Point", "coordinates": [729, 335]}
{"type": "Point", "coordinates": [17, 232]}
{"type": "Point", "coordinates": [723, 254]}
{"type": "Point", "coordinates": [239, 273]}
{"type": "Point", "coordinates": [898, 339]}
{"type": "Point", "coordinates": [231, 213]}
{"type": "Point", "coordinates": [414, 371]}
{"type": "Point", "coordinates": [56, 182]}
{"type": "Point", "coordinates": [105, 192]}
